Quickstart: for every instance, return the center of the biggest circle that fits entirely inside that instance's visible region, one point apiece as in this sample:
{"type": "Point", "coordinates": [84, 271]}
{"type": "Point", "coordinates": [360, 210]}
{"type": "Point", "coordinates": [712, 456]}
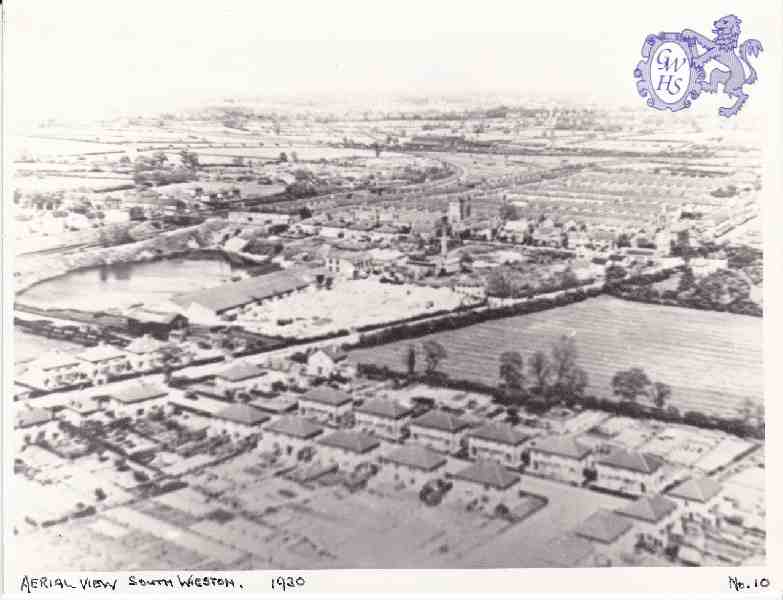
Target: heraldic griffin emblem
{"type": "Point", "coordinates": [672, 74]}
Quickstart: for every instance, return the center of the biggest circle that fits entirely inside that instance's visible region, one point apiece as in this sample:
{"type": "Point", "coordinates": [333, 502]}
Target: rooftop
{"type": "Point", "coordinates": [489, 473]}
{"type": "Point", "coordinates": [33, 416]}
{"type": "Point", "coordinates": [240, 372]}
{"type": "Point", "coordinates": [641, 462]}
{"type": "Point", "coordinates": [499, 432]}
{"type": "Point", "coordinates": [566, 551]}
{"type": "Point", "coordinates": [295, 427]}
{"type": "Point", "coordinates": [138, 392]}
{"type": "Point", "coordinates": [144, 345]}
{"type": "Point", "coordinates": [327, 395]}
{"type": "Point", "coordinates": [148, 315]}
{"type": "Point", "coordinates": [699, 490]}
{"type": "Point", "coordinates": [418, 457]}
{"type": "Point", "coordinates": [384, 407]}
{"type": "Point", "coordinates": [102, 352]}
{"type": "Point", "coordinates": [242, 413]}
{"type": "Point", "coordinates": [561, 446]}
{"type": "Point", "coordinates": [443, 421]}
{"type": "Point", "coordinates": [232, 295]}
{"type": "Point", "coordinates": [604, 526]}
{"type": "Point", "coordinates": [352, 441]}
{"type": "Point", "coordinates": [648, 508]}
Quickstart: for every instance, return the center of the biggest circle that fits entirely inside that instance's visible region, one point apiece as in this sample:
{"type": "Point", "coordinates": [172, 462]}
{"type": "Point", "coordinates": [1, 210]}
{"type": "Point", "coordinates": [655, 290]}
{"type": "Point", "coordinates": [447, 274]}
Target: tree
{"type": "Point", "coordinates": [410, 359]}
{"type": "Point", "coordinates": [630, 384]}
{"type": "Point", "coordinates": [294, 157]}
{"type": "Point", "coordinates": [512, 370]}
{"type": "Point", "coordinates": [238, 161]}
{"type": "Point", "coordinates": [659, 394]}
{"type": "Point", "coordinates": [687, 280]}
{"type": "Point", "coordinates": [434, 353]}
{"type": "Point", "coordinates": [189, 159]}
{"type": "Point", "coordinates": [564, 356]}
{"type": "Point", "coordinates": [540, 370]}
{"type": "Point", "coordinates": [509, 212]}
{"type": "Point", "coordinates": [283, 157]}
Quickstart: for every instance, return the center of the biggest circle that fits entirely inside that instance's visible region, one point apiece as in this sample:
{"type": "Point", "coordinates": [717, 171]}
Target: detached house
{"type": "Point", "coordinates": [78, 411]}
{"type": "Point", "coordinates": [630, 472]}
{"type": "Point", "coordinates": [438, 430]}
{"type": "Point", "coordinates": [699, 499]}
{"type": "Point", "coordinates": [348, 449]}
{"type": "Point", "coordinates": [562, 458]}
{"type": "Point", "coordinates": [382, 417]}
{"type": "Point", "coordinates": [327, 405]}
{"type": "Point", "coordinates": [412, 465]}
{"type": "Point", "coordinates": [497, 441]}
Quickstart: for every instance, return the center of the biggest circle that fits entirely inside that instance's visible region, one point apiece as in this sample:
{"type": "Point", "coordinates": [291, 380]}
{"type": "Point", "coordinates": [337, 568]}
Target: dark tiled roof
{"type": "Point", "coordinates": [295, 427]}
{"type": "Point", "coordinates": [489, 473]}
{"type": "Point", "coordinates": [242, 413]}
{"type": "Point", "coordinates": [604, 526]}
{"type": "Point", "coordinates": [327, 395]}
{"type": "Point", "coordinates": [700, 490]}
{"type": "Point", "coordinates": [350, 440]}
{"type": "Point", "coordinates": [648, 508]}
{"type": "Point", "coordinates": [443, 421]}
{"type": "Point", "coordinates": [418, 457]}
{"type": "Point", "coordinates": [632, 461]}
{"type": "Point", "coordinates": [499, 432]}
{"type": "Point", "coordinates": [561, 446]}
{"type": "Point", "coordinates": [384, 407]}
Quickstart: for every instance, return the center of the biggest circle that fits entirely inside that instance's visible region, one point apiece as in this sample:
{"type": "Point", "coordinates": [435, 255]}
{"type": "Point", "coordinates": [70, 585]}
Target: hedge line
{"type": "Point", "coordinates": [633, 410]}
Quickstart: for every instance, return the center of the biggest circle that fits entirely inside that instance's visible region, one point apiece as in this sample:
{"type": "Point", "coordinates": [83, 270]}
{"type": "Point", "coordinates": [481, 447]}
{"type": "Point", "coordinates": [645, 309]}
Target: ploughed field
{"type": "Point", "coordinates": [712, 360]}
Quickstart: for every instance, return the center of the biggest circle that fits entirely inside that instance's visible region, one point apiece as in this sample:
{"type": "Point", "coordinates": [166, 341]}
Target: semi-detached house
{"type": "Point", "coordinates": [382, 417]}
{"type": "Point", "coordinates": [562, 458]}
{"type": "Point", "coordinates": [630, 472]}
{"type": "Point", "coordinates": [438, 430]}
{"type": "Point", "coordinates": [411, 465]}
{"type": "Point", "coordinates": [327, 405]}
{"type": "Point", "coordinates": [497, 441]}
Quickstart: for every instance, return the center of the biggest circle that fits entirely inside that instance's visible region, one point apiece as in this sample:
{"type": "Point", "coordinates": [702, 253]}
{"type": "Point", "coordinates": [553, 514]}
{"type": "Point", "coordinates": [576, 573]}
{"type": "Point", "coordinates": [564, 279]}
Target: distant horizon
{"type": "Point", "coordinates": [98, 59]}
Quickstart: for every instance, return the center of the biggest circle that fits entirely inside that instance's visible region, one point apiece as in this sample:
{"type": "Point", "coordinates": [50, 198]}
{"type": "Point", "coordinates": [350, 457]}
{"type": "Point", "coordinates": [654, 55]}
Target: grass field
{"type": "Point", "coordinates": [712, 361]}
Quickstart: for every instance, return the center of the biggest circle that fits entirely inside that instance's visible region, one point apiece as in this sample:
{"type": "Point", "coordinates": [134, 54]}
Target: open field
{"type": "Point", "coordinates": [711, 360]}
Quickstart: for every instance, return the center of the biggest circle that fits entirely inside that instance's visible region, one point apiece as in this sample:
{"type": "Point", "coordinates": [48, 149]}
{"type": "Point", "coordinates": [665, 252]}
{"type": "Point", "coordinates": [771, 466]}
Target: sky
{"type": "Point", "coordinates": [95, 58]}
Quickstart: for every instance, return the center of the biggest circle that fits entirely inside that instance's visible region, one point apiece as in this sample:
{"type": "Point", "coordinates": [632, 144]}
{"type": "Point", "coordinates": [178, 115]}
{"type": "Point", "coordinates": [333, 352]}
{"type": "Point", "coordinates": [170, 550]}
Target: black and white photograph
{"type": "Point", "coordinates": [341, 285]}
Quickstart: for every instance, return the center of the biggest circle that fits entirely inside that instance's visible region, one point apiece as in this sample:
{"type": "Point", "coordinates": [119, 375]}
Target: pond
{"type": "Point", "coordinates": [120, 286]}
